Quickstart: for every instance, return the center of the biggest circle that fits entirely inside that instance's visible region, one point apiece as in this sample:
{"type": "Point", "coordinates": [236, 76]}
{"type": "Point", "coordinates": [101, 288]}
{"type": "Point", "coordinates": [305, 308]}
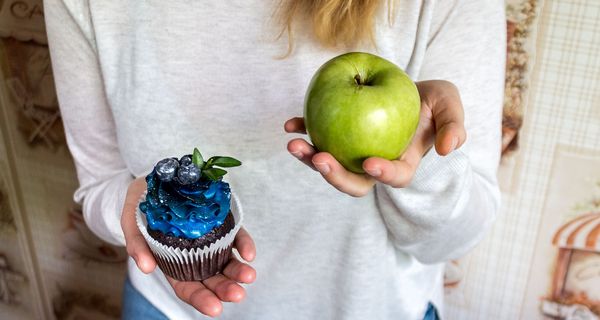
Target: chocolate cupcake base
{"type": "Point", "coordinates": [195, 270]}
{"type": "Point", "coordinates": [194, 260]}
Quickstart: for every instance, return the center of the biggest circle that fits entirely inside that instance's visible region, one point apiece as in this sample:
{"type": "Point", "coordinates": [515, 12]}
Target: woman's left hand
{"type": "Point", "coordinates": [441, 124]}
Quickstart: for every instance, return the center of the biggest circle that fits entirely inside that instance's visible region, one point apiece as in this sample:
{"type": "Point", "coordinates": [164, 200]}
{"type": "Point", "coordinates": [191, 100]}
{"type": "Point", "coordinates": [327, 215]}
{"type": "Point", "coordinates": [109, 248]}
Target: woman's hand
{"type": "Point", "coordinates": [206, 296]}
{"type": "Point", "coordinates": [441, 124]}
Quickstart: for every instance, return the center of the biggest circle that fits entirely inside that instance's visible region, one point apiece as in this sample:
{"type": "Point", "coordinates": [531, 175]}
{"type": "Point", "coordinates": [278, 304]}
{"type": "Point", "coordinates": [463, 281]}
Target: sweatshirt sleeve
{"type": "Point", "coordinates": [88, 122]}
{"type": "Point", "coordinates": [452, 201]}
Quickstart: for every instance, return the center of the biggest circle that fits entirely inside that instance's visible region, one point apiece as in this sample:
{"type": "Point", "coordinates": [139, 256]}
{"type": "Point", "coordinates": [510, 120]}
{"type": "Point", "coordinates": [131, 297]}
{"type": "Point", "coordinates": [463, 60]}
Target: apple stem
{"type": "Point", "coordinates": [358, 79]}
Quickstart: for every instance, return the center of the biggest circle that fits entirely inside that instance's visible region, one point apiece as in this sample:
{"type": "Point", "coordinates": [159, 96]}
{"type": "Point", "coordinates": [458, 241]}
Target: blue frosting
{"type": "Point", "coordinates": [187, 211]}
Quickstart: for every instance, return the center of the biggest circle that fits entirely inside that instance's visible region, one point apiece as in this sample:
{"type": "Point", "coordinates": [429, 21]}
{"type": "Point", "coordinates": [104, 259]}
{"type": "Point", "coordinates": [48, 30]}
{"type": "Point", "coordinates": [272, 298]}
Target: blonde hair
{"type": "Point", "coordinates": [334, 22]}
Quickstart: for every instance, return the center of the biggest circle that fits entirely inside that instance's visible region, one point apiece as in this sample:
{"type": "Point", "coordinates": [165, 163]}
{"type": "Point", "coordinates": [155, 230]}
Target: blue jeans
{"type": "Point", "coordinates": [431, 313]}
{"type": "Point", "coordinates": [137, 307]}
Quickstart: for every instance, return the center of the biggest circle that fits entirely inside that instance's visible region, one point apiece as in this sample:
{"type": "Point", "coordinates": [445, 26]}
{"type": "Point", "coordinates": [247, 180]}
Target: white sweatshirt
{"type": "Point", "coordinates": [139, 81]}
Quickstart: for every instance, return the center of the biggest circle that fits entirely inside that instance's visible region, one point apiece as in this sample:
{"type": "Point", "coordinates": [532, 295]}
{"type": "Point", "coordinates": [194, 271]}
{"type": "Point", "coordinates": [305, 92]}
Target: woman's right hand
{"type": "Point", "coordinates": [206, 296]}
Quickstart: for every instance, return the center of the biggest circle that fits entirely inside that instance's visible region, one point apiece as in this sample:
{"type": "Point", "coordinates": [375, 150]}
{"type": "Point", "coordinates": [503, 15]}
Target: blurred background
{"type": "Point", "coordinates": [541, 260]}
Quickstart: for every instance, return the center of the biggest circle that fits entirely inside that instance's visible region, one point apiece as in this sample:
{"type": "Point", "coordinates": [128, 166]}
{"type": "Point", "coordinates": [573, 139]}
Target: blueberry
{"type": "Point", "coordinates": [186, 160]}
{"type": "Point", "coordinates": [166, 169]}
{"type": "Point", "coordinates": [188, 174]}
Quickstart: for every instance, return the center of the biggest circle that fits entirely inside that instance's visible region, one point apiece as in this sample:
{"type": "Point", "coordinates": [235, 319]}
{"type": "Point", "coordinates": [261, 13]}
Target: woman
{"type": "Point", "coordinates": [142, 80]}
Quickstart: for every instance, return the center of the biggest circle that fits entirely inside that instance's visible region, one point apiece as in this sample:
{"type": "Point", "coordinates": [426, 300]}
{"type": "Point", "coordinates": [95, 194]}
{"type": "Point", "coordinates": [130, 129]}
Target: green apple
{"type": "Point", "coordinates": [359, 105]}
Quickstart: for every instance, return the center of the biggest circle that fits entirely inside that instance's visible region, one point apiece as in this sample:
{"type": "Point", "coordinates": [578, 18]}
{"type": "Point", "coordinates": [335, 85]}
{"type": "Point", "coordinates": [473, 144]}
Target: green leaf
{"type": "Point", "coordinates": [225, 162]}
{"type": "Point", "coordinates": [197, 158]}
{"type": "Point", "coordinates": [214, 174]}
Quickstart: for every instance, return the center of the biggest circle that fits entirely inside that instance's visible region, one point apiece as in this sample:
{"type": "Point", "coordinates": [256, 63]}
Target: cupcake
{"type": "Point", "coordinates": [189, 217]}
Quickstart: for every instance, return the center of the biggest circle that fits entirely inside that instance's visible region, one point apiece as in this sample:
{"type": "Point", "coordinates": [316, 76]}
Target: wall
{"type": "Point", "coordinates": [51, 266]}
{"type": "Point", "coordinates": [553, 178]}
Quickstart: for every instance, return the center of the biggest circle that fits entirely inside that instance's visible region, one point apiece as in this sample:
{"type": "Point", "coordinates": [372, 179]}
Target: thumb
{"type": "Point", "coordinates": [138, 249]}
{"type": "Point", "coordinates": [448, 115]}
{"type": "Point", "coordinates": [136, 245]}
{"type": "Point", "coordinates": [449, 137]}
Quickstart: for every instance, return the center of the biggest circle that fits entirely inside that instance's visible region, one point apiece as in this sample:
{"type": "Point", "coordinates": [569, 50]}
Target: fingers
{"type": "Point", "coordinates": [450, 136]}
{"type": "Point", "coordinates": [295, 125]}
{"type": "Point", "coordinates": [449, 124]}
{"type": "Point", "coordinates": [136, 245]}
{"type": "Point", "coordinates": [399, 173]}
{"type": "Point", "coordinates": [225, 286]}
{"type": "Point", "coordinates": [226, 289]}
{"type": "Point", "coordinates": [245, 245]}
{"type": "Point", "coordinates": [206, 296]}
{"type": "Point", "coordinates": [396, 173]}
{"type": "Point", "coordinates": [138, 249]}
{"type": "Point", "coordinates": [443, 100]}
{"type": "Point", "coordinates": [441, 124]}
{"type": "Point", "coordinates": [198, 296]}
{"type": "Point", "coordinates": [299, 148]}
{"type": "Point", "coordinates": [303, 151]}
{"type": "Point", "coordinates": [239, 271]}
{"type": "Point", "coordinates": [356, 185]}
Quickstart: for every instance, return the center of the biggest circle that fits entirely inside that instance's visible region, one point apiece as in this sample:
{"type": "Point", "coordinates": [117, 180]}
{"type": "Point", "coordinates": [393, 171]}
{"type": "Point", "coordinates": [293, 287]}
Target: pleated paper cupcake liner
{"type": "Point", "coordinates": [193, 264]}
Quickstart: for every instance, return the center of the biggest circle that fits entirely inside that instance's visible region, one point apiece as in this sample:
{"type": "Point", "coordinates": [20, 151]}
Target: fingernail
{"type": "Point", "coordinates": [297, 154]}
{"type": "Point", "coordinates": [376, 172]}
{"type": "Point", "coordinates": [322, 167]}
{"type": "Point", "coordinates": [454, 143]}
